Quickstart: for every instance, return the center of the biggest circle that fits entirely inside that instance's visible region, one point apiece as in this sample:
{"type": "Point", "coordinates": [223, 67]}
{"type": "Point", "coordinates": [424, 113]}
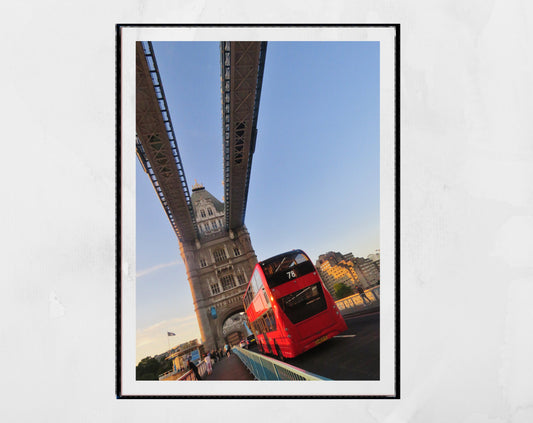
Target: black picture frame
{"type": "Point", "coordinates": [119, 210]}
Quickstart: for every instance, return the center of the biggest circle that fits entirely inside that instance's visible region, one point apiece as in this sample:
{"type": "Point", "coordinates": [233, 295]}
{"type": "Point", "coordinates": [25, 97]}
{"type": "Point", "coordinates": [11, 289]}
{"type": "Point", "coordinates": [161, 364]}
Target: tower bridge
{"type": "Point", "coordinates": [214, 242]}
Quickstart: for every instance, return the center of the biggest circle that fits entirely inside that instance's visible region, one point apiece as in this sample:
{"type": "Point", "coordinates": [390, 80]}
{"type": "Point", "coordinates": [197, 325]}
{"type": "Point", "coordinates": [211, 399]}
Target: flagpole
{"type": "Point", "coordinates": [168, 341]}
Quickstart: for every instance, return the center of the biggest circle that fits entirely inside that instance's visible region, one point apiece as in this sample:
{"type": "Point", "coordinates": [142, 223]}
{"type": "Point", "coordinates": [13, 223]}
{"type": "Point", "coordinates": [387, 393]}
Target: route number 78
{"type": "Point", "coordinates": [291, 274]}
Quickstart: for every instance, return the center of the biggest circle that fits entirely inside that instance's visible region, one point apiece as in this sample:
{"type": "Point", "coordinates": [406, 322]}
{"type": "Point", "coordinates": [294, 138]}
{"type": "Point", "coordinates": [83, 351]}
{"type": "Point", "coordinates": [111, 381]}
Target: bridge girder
{"type": "Point", "coordinates": [156, 146]}
{"type": "Point", "coordinates": [242, 65]}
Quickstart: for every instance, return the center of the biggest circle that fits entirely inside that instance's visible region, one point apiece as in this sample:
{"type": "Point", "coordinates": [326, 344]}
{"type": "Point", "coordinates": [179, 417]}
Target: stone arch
{"type": "Point", "coordinates": [231, 310]}
{"type": "Point", "coordinates": [231, 326]}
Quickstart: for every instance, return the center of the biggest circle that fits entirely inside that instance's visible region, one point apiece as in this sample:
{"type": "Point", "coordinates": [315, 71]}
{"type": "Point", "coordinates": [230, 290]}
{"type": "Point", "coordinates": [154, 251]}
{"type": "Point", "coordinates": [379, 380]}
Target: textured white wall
{"type": "Point", "coordinates": [467, 210]}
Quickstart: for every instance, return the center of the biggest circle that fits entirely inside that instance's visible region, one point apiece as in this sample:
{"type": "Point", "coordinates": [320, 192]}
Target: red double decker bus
{"type": "Point", "coordinates": [288, 307]}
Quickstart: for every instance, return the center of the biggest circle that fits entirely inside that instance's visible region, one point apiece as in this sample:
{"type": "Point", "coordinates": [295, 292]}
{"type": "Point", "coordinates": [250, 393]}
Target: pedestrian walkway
{"type": "Point", "coordinates": [229, 368]}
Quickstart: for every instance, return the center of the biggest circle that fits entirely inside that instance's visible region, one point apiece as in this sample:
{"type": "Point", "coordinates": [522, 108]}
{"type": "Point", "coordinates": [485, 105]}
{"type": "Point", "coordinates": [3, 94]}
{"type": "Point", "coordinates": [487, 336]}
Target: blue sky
{"type": "Point", "coordinates": [315, 173]}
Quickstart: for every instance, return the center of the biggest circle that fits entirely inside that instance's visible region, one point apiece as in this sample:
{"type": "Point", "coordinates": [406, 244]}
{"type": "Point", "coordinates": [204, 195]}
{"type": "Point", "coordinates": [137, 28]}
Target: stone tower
{"type": "Point", "coordinates": [219, 264]}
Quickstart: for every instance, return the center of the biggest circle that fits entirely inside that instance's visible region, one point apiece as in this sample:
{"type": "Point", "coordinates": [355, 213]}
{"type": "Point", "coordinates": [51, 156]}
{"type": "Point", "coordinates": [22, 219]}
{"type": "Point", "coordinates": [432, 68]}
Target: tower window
{"type": "Point", "coordinates": [214, 225]}
{"type": "Point", "coordinates": [203, 263]}
{"type": "Point", "coordinates": [219, 255]}
{"type": "Point", "coordinates": [241, 278]}
{"type": "Point", "coordinates": [210, 212]}
{"type": "Point", "coordinates": [215, 288]}
{"type": "Point", "coordinates": [202, 213]}
{"type": "Point", "coordinates": [236, 251]}
{"type": "Point", "coordinates": [227, 282]}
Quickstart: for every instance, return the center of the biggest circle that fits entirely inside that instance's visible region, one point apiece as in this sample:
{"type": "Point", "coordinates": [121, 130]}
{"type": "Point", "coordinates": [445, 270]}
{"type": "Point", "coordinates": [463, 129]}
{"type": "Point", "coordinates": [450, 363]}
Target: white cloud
{"type": "Point", "coordinates": [145, 272]}
{"type": "Point", "coordinates": [170, 323]}
{"type": "Point", "coordinates": [154, 340]}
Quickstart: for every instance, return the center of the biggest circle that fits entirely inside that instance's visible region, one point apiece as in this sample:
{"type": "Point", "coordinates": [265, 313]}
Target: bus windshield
{"type": "Point", "coordinates": [285, 267]}
{"type": "Point", "coordinates": [302, 304]}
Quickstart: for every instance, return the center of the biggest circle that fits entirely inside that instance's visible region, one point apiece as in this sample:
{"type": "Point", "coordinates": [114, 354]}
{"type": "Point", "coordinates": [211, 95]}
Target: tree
{"type": "Point", "coordinates": [342, 290]}
{"type": "Point", "coordinates": [149, 368]}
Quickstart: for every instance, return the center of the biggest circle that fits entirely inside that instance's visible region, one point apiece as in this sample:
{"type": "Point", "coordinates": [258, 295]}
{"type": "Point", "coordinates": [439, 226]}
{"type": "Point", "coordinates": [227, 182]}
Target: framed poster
{"type": "Point", "coordinates": [291, 136]}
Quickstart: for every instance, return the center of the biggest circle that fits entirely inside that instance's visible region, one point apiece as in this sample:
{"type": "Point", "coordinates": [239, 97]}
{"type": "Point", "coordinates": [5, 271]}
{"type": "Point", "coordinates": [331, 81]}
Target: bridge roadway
{"type": "Point", "coordinates": [353, 355]}
{"type": "Point", "coordinates": [229, 368]}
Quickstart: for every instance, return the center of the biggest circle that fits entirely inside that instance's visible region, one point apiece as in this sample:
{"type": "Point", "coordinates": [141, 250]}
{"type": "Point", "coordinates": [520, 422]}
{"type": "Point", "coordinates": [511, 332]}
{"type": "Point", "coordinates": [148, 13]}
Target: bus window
{"type": "Point", "coordinates": [270, 323]}
{"type": "Point", "coordinates": [287, 269]}
{"type": "Point", "coordinates": [284, 262]}
{"type": "Point", "coordinates": [264, 328]}
{"type": "Point", "coordinates": [271, 320]}
{"type": "Point", "coordinates": [248, 297]}
{"type": "Point", "coordinates": [267, 300]}
{"type": "Point", "coordinates": [255, 283]}
{"type": "Point", "coordinates": [266, 322]}
{"type": "Point", "coordinates": [304, 303]}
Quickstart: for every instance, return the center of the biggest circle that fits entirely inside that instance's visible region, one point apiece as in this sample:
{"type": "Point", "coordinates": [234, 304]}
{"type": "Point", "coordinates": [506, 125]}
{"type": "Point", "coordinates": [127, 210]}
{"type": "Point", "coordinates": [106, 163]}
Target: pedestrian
{"type": "Point", "coordinates": [363, 295]}
{"type": "Point", "coordinates": [193, 367]}
{"type": "Point", "coordinates": [208, 364]}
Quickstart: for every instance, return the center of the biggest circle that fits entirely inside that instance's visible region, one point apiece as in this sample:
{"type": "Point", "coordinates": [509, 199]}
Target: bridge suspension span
{"type": "Point", "coordinates": [219, 259]}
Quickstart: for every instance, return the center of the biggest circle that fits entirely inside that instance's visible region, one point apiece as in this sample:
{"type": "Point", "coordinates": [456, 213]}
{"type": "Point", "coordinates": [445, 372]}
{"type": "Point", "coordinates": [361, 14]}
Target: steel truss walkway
{"type": "Point", "coordinates": [242, 65]}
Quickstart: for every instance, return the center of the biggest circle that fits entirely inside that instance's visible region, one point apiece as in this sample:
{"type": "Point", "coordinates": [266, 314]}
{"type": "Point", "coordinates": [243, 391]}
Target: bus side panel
{"type": "Point", "coordinates": [264, 346]}
{"type": "Point", "coordinates": [277, 336]}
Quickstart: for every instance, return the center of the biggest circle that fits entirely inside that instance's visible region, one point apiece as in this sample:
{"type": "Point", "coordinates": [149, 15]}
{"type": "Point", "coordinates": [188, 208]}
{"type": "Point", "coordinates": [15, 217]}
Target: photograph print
{"type": "Point", "coordinates": [259, 202]}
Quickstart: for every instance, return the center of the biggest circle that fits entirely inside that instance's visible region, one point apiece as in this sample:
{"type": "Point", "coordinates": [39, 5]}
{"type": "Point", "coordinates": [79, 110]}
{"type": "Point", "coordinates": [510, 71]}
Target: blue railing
{"type": "Point", "coordinates": [266, 368]}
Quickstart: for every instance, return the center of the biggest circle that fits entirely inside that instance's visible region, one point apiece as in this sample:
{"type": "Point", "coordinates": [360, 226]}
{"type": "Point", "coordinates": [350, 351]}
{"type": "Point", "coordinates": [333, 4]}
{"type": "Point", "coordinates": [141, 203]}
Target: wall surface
{"type": "Point", "coordinates": [466, 210]}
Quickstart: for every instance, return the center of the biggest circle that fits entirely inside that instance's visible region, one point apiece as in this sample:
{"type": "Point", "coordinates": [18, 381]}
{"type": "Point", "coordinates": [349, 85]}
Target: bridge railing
{"type": "Point", "coordinates": [202, 370]}
{"type": "Point", "coordinates": [266, 368]}
{"type": "Point", "coordinates": [167, 374]}
{"type": "Point", "coordinates": [357, 302]}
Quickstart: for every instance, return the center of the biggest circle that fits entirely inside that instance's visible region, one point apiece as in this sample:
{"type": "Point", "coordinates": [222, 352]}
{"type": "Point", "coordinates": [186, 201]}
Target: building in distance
{"type": "Point", "coordinates": [192, 350]}
{"type": "Point", "coordinates": [354, 272]}
{"type": "Point", "coordinates": [374, 257]}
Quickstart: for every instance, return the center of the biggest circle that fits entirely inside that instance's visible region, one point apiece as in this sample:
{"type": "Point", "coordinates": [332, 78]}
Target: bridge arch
{"type": "Point", "coordinates": [232, 328]}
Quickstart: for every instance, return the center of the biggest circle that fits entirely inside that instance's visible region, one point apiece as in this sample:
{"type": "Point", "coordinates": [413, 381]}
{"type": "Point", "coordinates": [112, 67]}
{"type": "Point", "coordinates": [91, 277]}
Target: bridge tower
{"type": "Point", "coordinates": [213, 240]}
{"type": "Point", "coordinates": [219, 264]}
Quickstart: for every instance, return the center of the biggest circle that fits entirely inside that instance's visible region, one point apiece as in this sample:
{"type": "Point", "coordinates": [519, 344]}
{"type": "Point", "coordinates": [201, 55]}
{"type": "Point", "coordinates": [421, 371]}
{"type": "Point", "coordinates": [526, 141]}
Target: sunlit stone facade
{"type": "Point", "coordinates": [335, 267]}
{"type": "Point", "coordinates": [219, 266]}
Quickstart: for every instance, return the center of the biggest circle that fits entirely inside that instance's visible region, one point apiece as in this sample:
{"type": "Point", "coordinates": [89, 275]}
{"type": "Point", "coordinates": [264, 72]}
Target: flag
{"type": "Point", "coordinates": [171, 334]}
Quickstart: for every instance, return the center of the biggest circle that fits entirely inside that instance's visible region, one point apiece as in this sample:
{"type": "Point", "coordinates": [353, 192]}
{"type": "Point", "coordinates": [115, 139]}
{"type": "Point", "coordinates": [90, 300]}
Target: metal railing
{"type": "Point", "coordinates": [266, 368]}
{"type": "Point", "coordinates": [202, 370]}
{"type": "Point", "coordinates": [167, 374]}
{"type": "Point", "coordinates": [357, 302]}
